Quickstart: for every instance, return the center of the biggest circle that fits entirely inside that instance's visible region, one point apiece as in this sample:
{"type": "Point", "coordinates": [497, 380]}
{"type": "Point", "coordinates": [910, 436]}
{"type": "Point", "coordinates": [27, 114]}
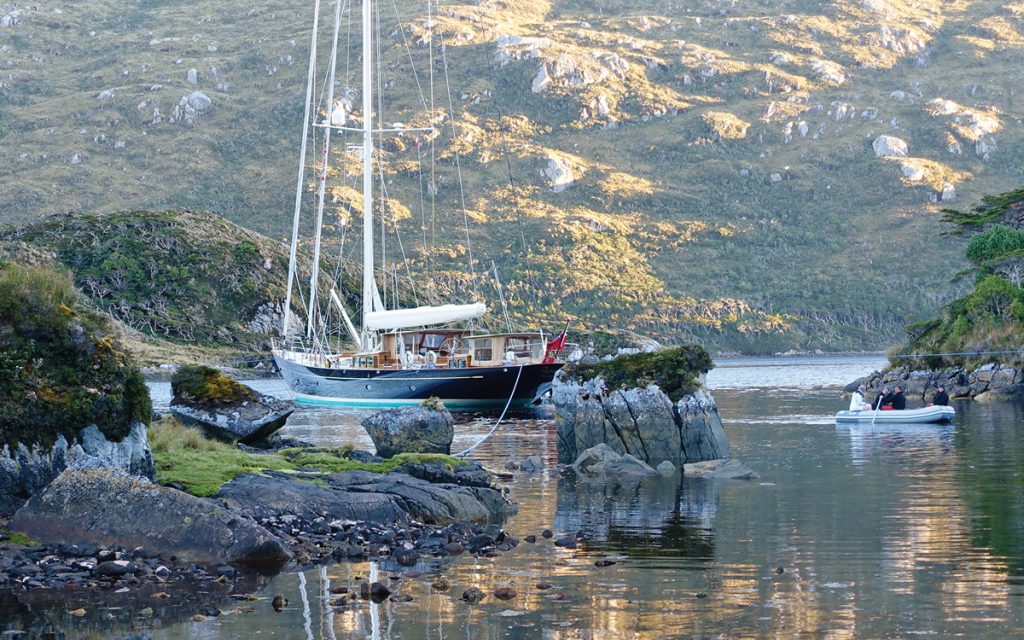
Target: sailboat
{"type": "Point", "coordinates": [402, 356]}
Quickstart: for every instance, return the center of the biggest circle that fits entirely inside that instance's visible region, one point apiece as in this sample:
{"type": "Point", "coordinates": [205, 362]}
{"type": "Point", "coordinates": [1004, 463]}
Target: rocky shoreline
{"type": "Point", "coordinates": [988, 382]}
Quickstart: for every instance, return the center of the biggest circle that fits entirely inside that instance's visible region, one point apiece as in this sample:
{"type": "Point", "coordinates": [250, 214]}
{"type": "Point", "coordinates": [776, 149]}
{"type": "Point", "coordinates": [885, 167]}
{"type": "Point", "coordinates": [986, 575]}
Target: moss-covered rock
{"type": "Point", "coordinates": [61, 369]}
{"type": "Point", "coordinates": [676, 370]}
{"type": "Point", "coordinates": [202, 385]}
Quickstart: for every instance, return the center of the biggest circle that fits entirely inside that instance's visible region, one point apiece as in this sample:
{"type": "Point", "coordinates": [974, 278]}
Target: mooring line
{"type": "Point", "coordinates": [515, 386]}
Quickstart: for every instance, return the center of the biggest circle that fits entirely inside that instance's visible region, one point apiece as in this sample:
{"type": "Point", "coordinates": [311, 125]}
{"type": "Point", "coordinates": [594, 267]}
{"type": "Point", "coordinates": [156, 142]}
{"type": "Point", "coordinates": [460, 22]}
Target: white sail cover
{"type": "Point", "coordinates": [422, 316]}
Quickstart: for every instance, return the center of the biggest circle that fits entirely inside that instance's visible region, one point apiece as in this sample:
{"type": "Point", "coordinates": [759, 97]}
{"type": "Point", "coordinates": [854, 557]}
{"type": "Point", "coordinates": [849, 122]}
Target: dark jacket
{"type": "Point", "coordinates": [899, 401]}
{"type": "Point", "coordinates": [941, 399]}
{"type": "Point", "coordinates": [882, 400]}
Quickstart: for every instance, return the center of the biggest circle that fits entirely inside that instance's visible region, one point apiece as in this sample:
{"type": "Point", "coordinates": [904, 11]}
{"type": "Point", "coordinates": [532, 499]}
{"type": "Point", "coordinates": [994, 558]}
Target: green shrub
{"type": "Point", "coordinates": [996, 242]}
{"type": "Point", "coordinates": [60, 369]}
{"type": "Point", "coordinates": [992, 299]}
{"type": "Point", "coordinates": [676, 370]}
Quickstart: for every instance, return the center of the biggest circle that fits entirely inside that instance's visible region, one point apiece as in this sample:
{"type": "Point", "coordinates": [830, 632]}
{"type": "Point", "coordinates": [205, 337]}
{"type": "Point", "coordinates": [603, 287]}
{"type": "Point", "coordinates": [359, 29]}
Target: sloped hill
{"type": "Point", "coordinates": [704, 170]}
{"type": "Point", "coordinates": [180, 276]}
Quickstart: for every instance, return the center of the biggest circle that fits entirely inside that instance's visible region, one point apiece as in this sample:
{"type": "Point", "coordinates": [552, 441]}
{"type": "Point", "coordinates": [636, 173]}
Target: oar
{"type": "Point", "coordinates": [878, 406]}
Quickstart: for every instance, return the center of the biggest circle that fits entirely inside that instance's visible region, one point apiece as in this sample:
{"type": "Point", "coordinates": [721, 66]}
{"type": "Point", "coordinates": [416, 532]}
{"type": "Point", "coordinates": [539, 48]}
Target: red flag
{"type": "Point", "coordinates": [555, 346]}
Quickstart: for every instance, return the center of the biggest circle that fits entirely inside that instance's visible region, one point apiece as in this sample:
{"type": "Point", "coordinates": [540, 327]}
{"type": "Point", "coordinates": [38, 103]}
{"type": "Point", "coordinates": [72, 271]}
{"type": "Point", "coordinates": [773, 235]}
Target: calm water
{"type": "Point", "coordinates": [863, 532]}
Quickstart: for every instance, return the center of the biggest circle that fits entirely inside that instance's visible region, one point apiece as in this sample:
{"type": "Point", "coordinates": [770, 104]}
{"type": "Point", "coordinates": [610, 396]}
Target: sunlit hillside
{"type": "Point", "coordinates": [755, 174]}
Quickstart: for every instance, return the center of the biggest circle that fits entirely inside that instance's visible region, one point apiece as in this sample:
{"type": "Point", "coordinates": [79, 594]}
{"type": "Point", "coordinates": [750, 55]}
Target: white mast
{"type": "Point", "coordinates": [368, 283]}
{"type": "Point", "coordinates": [302, 169]}
{"type": "Point", "coordinates": [314, 277]}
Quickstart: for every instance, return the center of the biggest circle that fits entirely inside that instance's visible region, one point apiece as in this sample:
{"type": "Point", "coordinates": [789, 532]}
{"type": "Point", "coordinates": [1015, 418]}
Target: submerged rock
{"type": "Point", "coordinates": [723, 469]}
{"type": "Point", "coordinates": [224, 408]}
{"type": "Point", "coordinates": [411, 430]}
{"type": "Point", "coordinates": [89, 507]}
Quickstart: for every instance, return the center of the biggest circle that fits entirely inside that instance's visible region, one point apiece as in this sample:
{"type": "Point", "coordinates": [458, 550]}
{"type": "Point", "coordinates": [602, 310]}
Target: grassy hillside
{"type": "Point", "coordinates": [724, 184]}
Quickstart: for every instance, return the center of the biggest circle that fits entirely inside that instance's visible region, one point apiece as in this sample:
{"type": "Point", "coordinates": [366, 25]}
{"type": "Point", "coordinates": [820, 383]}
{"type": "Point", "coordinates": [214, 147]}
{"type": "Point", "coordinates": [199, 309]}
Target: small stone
{"type": "Point", "coordinates": [544, 586]}
{"type": "Point", "coordinates": [566, 542]}
{"type": "Point", "coordinates": [473, 595]}
{"type": "Point", "coordinates": [531, 539]}
{"type": "Point", "coordinates": [604, 563]}
{"type": "Point", "coordinates": [440, 584]}
{"type": "Point", "coordinates": [379, 593]}
{"type": "Point", "coordinates": [407, 557]}
{"type": "Point", "coordinates": [778, 571]}
{"type": "Point", "coordinates": [78, 613]}
{"type": "Point", "coordinates": [505, 593]}
{"type": "Point", "coordinates": [279, 602]}
{"type": "Point", "coordinates": [547, 533]}
{"type": "Point", "coordinates": [454, 548]}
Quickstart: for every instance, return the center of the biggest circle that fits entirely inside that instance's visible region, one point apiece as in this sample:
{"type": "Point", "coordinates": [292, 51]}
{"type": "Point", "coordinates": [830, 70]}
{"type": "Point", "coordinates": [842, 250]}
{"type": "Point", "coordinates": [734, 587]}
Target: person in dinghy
{"type": "Point", "coordinates": [857, 402]}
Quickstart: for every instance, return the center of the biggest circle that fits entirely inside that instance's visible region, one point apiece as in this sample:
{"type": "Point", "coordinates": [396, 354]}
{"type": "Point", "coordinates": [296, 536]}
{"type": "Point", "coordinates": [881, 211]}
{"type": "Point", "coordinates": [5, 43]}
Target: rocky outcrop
{"type": "Point", "coordinates": [641, 422]}
{"type": "Point", "coordinates": [250, 420]}
{"type": "Point", "coordinates": [463, 495]}
{"type": "Point", "coordinates": [90, 507]}
{"type": "Point", "coordinates": [25, 471]}
{"type": "Point", "coordinates": [559, 173]}
{"type": "Point", "coordinates": [959, 382]}
{"type": "Point", "coordinates": [411, 430]}
{"type": "Point", "coordinates": [1009, 393]}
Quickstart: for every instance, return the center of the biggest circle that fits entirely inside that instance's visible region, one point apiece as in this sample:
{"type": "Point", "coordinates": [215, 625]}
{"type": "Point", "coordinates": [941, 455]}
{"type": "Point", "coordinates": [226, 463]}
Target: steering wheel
{"type": "Point", "coordinates": [451, 345]}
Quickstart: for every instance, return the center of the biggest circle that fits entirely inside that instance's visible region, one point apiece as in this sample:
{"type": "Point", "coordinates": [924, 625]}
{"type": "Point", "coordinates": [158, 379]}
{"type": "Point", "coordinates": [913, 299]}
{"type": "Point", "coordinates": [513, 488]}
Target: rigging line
{"type": "Point", "coordinates": [408, 50]}
{"type": "Point", "coordinates": [490, 433]}
{"type": "Point", "coordinates": [401, 245]}
{"type": "Point", "coordinates": [458, 163]}
{"type": "Point", "coordinates": [519, 217]}
{"type": "Point", "coordinates": [293, 250]}
{"type": "Point", "coordinates": [432, 185]}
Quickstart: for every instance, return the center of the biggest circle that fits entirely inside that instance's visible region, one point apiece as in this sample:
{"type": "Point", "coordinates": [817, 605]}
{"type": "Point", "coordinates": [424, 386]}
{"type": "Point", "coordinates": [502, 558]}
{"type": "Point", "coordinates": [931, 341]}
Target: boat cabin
{"type": "Point", "coordinates": [453, 348]}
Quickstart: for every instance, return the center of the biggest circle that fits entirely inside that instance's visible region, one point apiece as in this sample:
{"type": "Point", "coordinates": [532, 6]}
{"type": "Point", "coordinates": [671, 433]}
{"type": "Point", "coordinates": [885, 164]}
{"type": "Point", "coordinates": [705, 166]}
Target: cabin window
{"type": "Point", "coordinates": [482, 349]}
{"type": "Point", "coordinates": [409, 340]}
{"type": "Point", "coordinates": [519, 346]}
{"type": "Point", "coordinates": [432, 341]}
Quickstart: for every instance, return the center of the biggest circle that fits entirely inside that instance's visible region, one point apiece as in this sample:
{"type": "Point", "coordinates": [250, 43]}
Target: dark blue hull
{"type": "Point", "coordinates": [479, 388]}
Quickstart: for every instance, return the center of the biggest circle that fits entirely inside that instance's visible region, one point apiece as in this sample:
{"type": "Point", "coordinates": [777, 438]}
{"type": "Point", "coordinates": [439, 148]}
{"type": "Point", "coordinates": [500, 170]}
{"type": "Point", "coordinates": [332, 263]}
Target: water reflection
{"type": "Point", "coordinates": [641, 517]}
{"type": "Point", "coordinates": [851, 532]}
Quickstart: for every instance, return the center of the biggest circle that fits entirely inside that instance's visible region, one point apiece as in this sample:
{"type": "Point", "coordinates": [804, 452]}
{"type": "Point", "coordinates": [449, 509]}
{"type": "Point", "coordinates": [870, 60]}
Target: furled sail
{"type": "Point", "coordinates": [422, 316]}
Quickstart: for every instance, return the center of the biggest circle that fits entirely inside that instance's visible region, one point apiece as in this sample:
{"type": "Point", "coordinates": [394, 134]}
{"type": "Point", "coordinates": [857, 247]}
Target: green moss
{"type": "Point", "coordinates": [14, 537]}
{"type": "Point", "coordinates": [675, 370]}
{"type": "Point", "coordinates": [207, 386]}
{"type": "Point", "coordinates": [60, 368]}
{"type": "Point", "coordinates": [202, 465]}
{"type": "Point", "coordinates": [433, 403]}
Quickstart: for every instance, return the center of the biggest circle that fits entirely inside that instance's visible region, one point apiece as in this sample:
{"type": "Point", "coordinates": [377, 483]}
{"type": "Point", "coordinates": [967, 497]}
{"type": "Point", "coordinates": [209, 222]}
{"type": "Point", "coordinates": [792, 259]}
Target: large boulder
{"type": "Point", "coordinates": [411, 430]}
{"type": "Point", "coordinates": [458, 496]}
{"type": "Point", "coordinates": [642, 422]}
{"type": "Point", "coordinates": [224, 408]}
{"type": "Point", "coordinates": [100, 507]}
